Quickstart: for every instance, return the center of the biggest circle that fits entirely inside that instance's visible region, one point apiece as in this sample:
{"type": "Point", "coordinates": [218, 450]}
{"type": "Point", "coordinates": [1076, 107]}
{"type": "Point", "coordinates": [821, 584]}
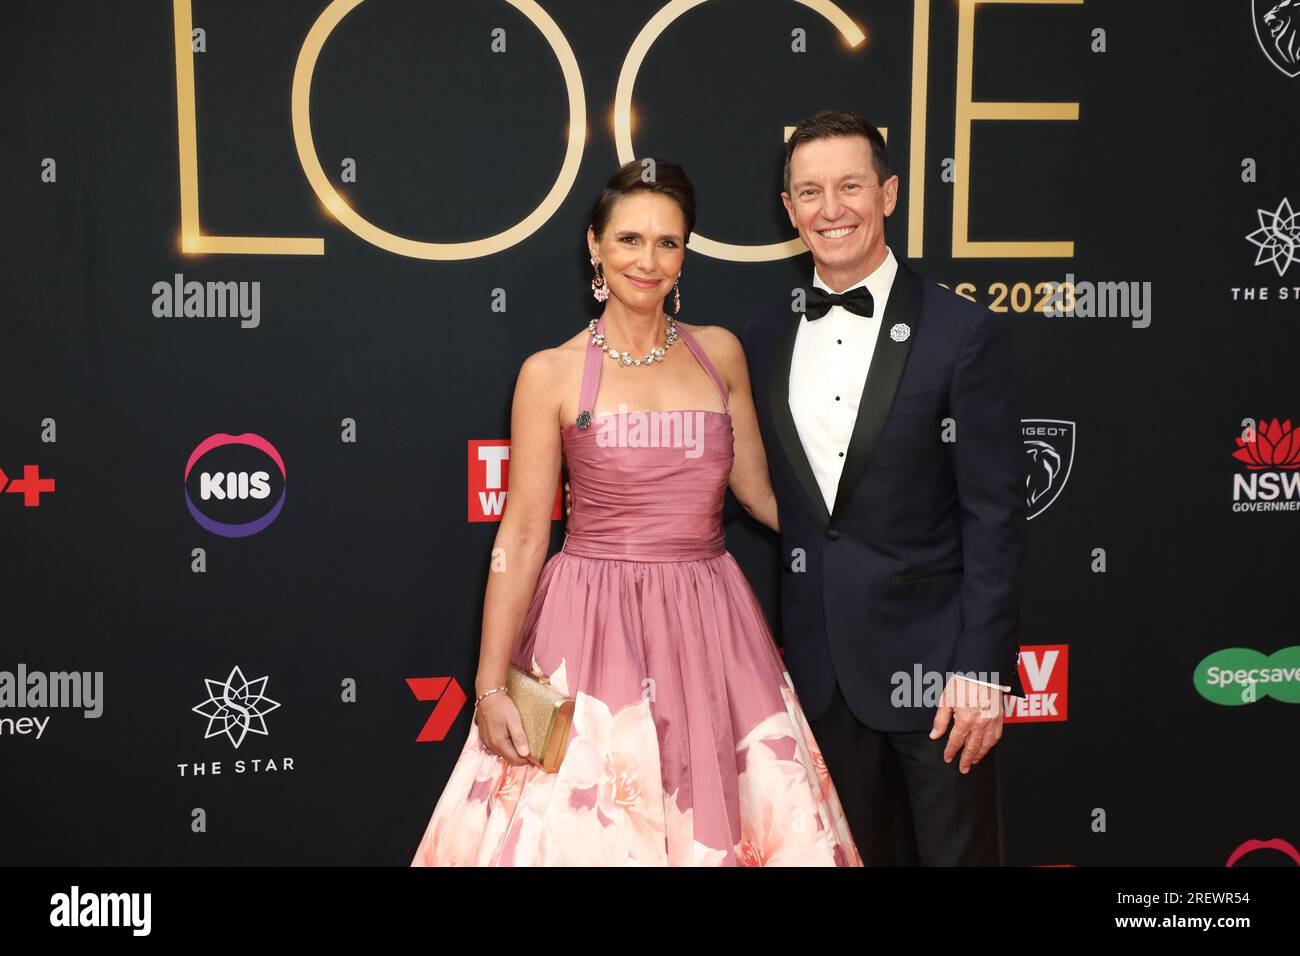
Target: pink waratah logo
{"type": "Point", "coordinates": [1276, 445]}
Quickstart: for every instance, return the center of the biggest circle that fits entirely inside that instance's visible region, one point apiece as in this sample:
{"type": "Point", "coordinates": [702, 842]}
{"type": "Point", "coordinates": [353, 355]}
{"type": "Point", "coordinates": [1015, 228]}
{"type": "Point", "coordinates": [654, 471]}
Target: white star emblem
{"type": "Point", "coordinates": [900, 332]}
{"type": "Point", "coordinates": [1278, 237]}
{"type": "Point", "coordinates": [236, 707]}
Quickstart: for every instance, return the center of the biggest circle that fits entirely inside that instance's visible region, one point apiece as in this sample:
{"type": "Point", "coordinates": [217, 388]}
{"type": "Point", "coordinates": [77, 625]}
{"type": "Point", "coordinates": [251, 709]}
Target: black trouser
{"type": "Point", "coordinates": [904, 805]}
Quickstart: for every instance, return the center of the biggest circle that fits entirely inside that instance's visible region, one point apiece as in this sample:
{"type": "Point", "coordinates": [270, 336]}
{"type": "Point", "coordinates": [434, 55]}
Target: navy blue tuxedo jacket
{"type": "Point", "coordinates": [918, 569]}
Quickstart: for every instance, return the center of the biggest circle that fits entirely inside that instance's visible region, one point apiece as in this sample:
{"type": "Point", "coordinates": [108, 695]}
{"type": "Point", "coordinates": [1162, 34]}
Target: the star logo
{"type": "Point", "coordinates": [1278, 237]}
{"type": "Point", "coordinates": [236, 707]}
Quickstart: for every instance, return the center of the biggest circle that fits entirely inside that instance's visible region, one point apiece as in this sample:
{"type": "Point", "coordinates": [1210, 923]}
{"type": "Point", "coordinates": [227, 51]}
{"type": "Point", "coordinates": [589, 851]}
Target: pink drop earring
{"type": "Point", "coordinates": [599, 288]}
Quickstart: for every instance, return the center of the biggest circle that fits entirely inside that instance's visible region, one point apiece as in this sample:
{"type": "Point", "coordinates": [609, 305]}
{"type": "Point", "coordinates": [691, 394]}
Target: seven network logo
{"type": "Point", "coordinates": [1238, 675]}
{"type": "Point", "coordinates": [1277, 28]}
{"type": "Point", "coordinates": [239, 475]}
{"type": "Point", "coordinates": [1049, 453]}
{"type": "Point", "coordinates": [1270, 452]}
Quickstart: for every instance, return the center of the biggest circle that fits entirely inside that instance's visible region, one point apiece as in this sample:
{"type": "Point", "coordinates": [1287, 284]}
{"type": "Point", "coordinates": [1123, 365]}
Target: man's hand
{"type": "Point", "coordinates": [568, 499]}
{"type": "Point", "coordinates": [976, 710]}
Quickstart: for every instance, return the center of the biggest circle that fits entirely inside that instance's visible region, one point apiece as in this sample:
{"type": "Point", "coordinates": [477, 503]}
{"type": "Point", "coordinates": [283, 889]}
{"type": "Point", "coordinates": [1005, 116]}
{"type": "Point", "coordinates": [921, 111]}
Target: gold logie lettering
{"type": "Point", "coordinates": [734, 252]}
{"type": "Point", "coordinates": [416, 249]}
{"type": "Point", "coordinates": [967, 112]}
{"type": "Point", "coordinates": [193, 241]}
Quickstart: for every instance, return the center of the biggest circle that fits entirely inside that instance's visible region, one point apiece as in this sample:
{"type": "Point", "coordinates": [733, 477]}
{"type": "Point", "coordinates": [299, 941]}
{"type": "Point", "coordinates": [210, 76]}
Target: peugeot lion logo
{"type": "Point", "coordinates": [1277, 29]}
{"type": "Point", "coordinates": [1049, 453]}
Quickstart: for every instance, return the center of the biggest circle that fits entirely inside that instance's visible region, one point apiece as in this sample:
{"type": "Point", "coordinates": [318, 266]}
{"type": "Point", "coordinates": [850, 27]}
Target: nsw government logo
{"type": "Point", "coordinates": [1049, 453]}
{"type": "Point", "coordinates": [239, 476]}
{"type": "Point", "coordinates": [1277, 28]}
{"type": "Point", "coordinates": [1269, 453]}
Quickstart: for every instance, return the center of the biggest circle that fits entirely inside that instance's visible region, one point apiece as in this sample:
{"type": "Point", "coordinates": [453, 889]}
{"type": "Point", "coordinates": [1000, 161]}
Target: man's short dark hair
{"type": "Point", "coordinates": [826, 124]}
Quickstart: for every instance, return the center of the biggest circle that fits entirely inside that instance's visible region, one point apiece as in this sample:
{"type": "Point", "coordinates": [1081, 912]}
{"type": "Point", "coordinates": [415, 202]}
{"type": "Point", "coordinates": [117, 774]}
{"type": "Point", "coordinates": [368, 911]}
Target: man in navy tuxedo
{"type": "Point", "coordinates": [889, 414]}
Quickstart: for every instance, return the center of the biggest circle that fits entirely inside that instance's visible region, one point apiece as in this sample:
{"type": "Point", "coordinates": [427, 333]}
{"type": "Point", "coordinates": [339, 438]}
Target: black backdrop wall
{"type": "Point", "coordinates": [373, 354]}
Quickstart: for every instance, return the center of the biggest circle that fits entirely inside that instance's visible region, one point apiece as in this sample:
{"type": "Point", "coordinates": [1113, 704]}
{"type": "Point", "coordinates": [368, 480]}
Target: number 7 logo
{"type": "Point", "coordinates": [446, 691]}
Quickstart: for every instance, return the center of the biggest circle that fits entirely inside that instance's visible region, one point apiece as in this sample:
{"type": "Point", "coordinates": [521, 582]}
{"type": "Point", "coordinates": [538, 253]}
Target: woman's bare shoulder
{"type": "Point", "coordinates": [719, 343]}
{"type": "Point", "coordinates": [555, 360]}
{"type": "Point", "coordinates": [718, 336]}
{"type": "Point", "coordinates": [546, 376]}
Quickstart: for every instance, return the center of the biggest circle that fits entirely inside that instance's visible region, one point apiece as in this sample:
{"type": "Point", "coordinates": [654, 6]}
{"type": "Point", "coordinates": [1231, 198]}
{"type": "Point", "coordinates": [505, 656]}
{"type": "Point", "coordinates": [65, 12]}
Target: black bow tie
{"type": "Point", "coordinates": [817, 301]}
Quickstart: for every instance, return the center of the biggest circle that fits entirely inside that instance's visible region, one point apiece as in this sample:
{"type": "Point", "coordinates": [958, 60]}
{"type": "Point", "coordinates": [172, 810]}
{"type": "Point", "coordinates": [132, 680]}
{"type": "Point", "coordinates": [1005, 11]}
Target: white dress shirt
{"type": "Point", "coordinates": [828, 370]}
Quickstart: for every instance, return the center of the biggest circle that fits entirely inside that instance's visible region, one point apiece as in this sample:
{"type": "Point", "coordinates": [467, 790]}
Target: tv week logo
{"type": "Point", "coordinates": [489, 478]}
{"type": "Point", "coordinates": [1044, 673]}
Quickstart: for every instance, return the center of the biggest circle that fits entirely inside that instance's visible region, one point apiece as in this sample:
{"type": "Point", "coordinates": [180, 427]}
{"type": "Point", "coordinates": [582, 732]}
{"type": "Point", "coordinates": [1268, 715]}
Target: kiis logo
{"type": "Point", "coordinates": [1290, 855]}
{"type": "Point", "coordinates": [1044, 674]}
{"type": "Point", "coordinates": [235, 484]}
{"type": "Point", "coordinates": [1271, 454]}
{"type": "Point", "coordinates": [1238, 675]}
{"type": "Point", "coordinates": [1049, 454]}
{"type": "Point", "coordinates": [489, 478]}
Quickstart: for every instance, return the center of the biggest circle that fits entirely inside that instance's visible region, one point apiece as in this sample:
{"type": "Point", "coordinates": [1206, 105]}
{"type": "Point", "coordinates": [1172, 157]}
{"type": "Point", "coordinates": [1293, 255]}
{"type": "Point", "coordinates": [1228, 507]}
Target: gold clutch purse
{"type": "Point", "coordinates": [547, 716]}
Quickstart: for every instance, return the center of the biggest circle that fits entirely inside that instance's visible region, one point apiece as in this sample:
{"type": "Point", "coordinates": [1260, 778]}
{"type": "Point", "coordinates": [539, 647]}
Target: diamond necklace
{"type": "Point", "coordinates": [656, 354]}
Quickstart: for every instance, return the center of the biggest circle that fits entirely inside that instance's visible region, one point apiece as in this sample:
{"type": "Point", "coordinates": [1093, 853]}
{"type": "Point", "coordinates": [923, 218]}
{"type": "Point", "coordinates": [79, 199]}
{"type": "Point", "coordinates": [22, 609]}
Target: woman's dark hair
{"type": "Point", "coordinates": [827, 124]}
{"type": "Point", "coordinates": [645, 175]}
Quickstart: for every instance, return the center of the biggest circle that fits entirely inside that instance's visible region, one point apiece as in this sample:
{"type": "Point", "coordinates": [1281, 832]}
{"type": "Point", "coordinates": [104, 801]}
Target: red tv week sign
{"type": "Point", "coordinates": [1044, 674]}
{"type": "Point", "coordinates": [489, 479]}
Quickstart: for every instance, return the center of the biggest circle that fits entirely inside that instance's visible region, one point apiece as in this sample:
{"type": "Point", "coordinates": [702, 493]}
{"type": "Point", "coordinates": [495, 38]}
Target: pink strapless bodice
{"type": "Point", "coordinates": [636, 502]}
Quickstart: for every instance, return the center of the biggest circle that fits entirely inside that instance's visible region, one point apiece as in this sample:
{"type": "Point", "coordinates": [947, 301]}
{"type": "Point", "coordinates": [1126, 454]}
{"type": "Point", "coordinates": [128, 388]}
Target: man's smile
{"type": "Point", "coordinates": [839, 232]}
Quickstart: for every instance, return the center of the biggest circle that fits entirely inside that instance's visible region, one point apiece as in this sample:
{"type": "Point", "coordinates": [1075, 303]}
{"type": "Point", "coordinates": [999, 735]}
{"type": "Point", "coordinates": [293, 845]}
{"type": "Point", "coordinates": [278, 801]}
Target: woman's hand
{"type": "Point", "coordinates": [519, 549]}
{"type": "Point", "coordinates": [500, 728]}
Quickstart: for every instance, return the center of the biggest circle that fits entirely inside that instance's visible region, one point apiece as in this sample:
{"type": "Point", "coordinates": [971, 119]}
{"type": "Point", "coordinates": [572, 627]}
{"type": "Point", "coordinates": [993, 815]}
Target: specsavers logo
{"type": "Point", "coordinates": [1238, 675]}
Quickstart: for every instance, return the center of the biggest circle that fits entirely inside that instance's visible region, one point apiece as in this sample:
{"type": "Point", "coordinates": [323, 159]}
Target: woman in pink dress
{"type": "Point", "coordinates": [688, 746]}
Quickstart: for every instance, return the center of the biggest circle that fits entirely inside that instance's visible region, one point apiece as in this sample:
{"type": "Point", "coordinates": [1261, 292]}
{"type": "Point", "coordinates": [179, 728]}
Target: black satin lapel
{"type": "Point", "coordinates": [887, 361]}
{"type": "Point", "coordinates": [779, 399]}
